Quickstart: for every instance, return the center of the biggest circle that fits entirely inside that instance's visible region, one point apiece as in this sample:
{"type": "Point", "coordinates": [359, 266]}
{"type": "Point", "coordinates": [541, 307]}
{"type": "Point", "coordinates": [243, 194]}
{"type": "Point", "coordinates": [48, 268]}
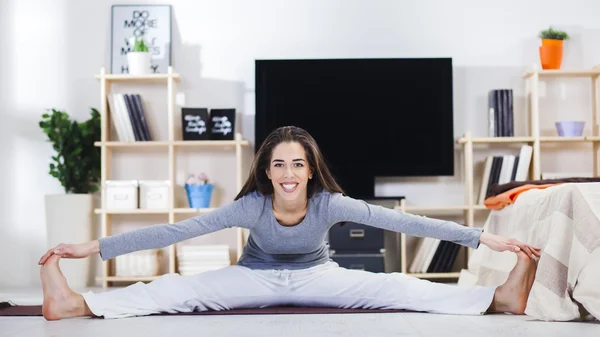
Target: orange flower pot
{"type": "Point", "coordinates": [551, 54]}
{"type": "Point", "coordinates": [552, 42]}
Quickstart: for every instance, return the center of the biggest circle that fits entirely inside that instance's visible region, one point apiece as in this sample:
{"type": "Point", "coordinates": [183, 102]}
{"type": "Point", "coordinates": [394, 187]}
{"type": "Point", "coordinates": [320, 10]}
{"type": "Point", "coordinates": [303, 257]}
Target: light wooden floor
{"type": "Point", "coordinates": [394, 324]}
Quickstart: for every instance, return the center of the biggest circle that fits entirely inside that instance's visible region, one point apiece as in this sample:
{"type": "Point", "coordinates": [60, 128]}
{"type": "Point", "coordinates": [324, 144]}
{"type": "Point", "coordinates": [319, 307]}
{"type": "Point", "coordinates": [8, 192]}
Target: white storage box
{"type": "Point", "coordinates": [140, 263]}
{"type": "Point", "coordinates": [121, 194]}
{"type": "Point", "coordinates": [154, 194]}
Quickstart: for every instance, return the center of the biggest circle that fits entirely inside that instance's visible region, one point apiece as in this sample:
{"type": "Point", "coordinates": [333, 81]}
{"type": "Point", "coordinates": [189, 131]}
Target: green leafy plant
{"type": "Point", "coordinates": [553, 34]}
{"type": "Point", "coordinates": [139, 45]}
{"type": "Point", "coordinates": [77, 161]}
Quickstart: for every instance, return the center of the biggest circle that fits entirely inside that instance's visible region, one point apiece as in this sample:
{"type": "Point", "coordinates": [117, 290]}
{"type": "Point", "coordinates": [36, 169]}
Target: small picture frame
{"type": "Point", "coordinates": [195, 124]}
{"type": "Point", "coordinates": [222, 124]}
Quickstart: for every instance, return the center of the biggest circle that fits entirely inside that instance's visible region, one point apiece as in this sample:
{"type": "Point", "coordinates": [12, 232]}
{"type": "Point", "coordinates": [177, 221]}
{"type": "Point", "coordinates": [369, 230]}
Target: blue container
{"type": "Point", "coordinates": [570, 128]}
{"type": "Point", "coordinates": [199, 195]}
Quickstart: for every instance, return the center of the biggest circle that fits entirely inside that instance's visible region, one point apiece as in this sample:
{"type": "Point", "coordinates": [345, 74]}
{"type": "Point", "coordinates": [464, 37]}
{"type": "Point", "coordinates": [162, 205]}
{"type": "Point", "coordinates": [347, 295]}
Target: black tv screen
{"type": "Point", "coordinates": [370, 117]}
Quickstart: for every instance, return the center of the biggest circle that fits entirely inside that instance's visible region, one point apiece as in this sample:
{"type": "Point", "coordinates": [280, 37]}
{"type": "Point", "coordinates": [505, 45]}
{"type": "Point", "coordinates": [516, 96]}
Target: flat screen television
{"type": "Point", "coordinates": [370, 117]}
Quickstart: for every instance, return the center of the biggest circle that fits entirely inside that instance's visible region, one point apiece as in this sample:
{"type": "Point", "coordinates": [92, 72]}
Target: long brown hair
{"type": "Point", "coordinates": [258, 180]}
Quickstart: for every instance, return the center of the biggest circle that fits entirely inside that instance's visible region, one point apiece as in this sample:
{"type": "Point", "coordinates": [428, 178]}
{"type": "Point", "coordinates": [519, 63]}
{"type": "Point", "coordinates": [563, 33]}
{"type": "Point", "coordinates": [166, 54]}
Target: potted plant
{"type": "Point", "coordinates": [77, 166]}
{"type": "Point", "coordinates": [199, 191]}
{"type": "Point", "coordinates": [138, 58]}
{"type": "Point", "coordinates": [551, 50]}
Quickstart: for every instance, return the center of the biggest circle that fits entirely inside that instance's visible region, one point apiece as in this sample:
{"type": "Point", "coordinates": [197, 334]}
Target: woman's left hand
{"type": "Point", "coordinates": [500, 244]}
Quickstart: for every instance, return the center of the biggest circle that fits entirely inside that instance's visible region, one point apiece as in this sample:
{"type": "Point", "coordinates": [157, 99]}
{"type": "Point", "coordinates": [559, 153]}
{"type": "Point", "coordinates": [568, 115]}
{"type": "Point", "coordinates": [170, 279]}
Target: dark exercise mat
{"type": "Point", "coordinates": [36, 310]}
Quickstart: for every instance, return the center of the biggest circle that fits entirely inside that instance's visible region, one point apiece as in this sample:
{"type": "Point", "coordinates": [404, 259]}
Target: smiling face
{"type": "Point", "coordinates": [289, 171]}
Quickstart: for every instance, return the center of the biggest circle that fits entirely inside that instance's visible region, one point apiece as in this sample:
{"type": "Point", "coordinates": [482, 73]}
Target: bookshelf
{"type": "Point", "coordinates": [108, 146]}
{"type": "Point", "coordinates": [469, 144]}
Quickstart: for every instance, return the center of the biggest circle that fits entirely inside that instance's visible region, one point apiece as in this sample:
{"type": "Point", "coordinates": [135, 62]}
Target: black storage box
{"type": "Point", "coordinates": [367, 262]}
{"type": "Point", "coordinates": [354, 237]}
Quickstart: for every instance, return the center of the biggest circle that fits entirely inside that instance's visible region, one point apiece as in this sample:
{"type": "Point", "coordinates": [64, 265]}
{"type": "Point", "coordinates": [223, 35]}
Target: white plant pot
{"type": "Point", "coordinates": [138, 62]}
{"type": "Point", "coordinates": [69, 220]}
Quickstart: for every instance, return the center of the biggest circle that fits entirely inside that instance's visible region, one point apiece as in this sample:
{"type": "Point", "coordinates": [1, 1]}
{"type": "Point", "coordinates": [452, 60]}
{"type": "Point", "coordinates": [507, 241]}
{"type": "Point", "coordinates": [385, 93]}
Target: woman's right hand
{"type": "Point", "coordinates": [73, 251]}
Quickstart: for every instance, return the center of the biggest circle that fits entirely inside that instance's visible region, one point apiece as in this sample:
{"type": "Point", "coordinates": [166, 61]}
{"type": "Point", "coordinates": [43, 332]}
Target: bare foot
{"type": "Point", "coordinates": [513, 294]}
{"type": "Point", "coordinates": [59, 300]}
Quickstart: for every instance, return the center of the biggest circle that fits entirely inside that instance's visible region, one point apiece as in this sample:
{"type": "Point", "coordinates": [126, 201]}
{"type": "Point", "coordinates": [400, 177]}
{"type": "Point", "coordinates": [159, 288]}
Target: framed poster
{"type": "Point", "coordinates": [153, 22]}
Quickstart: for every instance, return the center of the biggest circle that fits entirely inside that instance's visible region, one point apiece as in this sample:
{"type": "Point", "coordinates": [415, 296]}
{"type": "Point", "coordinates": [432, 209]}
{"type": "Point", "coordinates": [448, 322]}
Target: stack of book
{"type": "Point", "coordinates": [504, 169]}
{"type": "Point", "coordinates": [434, 256]}
{"type": "Point", "coordinates": [128, 117]}
{"type": "Point", "coordinates": [500, 113]}
{"type": "Point", "coordinates": [195, 259]}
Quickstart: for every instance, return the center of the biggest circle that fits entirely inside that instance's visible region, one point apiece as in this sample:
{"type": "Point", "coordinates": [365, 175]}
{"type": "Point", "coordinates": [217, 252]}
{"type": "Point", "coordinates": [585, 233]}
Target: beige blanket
{"type": "Point", "coordinates": [564, 221]}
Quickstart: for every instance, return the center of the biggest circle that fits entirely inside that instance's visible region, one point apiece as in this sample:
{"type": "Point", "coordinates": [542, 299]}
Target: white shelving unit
{"type": "Point", "coordinates": [107, 147]}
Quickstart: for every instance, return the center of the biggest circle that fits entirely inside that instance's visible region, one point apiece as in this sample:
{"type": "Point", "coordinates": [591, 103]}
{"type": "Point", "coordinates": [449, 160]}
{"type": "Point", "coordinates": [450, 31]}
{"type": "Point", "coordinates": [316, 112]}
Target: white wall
{"type": "Point", "coordinates": [52, 49]}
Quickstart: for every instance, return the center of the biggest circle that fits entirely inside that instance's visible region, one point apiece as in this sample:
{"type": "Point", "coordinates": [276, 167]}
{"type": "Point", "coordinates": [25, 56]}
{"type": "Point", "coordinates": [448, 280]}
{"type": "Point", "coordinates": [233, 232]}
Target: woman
{"type": "Point", "coordinates": [288, 203]}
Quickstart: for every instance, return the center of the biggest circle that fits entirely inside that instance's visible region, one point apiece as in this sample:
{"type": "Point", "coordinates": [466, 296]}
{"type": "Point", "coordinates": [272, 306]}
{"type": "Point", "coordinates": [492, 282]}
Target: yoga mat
{"type": "Point", "coordinates": [36, 310]}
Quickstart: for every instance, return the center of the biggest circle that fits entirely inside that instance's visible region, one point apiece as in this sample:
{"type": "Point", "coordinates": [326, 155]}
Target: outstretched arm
{"type": "Point", "coordinates": [235, 214]}
{"type": "Point", "coordinates": [342, 208]}
{"type": "Point", "coordinates": [240, 213]}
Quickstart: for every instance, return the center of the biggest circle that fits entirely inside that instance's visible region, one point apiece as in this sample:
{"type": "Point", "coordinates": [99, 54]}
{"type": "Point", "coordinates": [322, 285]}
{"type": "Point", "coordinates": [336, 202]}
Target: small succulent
{"type": "Point", "coordinates": [553, 34]}
{"type": "Point", "coordinates": [139, 44]}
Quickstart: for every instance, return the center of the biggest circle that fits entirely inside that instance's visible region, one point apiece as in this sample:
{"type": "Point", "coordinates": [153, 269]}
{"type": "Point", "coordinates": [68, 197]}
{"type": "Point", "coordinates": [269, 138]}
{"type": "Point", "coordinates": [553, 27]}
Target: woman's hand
{"type": "Point", "coordinates": [74, 251]}
{"type": "Point", "coordinates": [500, 244]}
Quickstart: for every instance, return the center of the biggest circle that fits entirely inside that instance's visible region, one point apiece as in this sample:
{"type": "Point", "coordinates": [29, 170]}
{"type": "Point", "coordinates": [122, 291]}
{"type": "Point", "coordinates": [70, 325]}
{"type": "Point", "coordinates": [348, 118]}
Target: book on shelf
{"type": "Point", "coordinates": [434, 256]}
{"type": "Point", "coordinates": [500, 113]}
{"type": "Point", "coordinates": [504, 169]}
{"type": "Point", "coordinates": [128, 117]}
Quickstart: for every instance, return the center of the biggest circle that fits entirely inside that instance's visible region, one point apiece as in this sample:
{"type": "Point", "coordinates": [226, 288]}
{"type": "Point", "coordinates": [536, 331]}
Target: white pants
{"type": "Point", "coordinates": [326, 285]}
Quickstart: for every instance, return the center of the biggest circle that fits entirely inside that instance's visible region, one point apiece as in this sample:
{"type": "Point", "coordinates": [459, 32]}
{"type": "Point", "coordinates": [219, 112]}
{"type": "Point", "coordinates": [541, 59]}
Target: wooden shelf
{"type": "Point", "coordinates": [155, 211]}
{"type": "Point", "coordinates": [417, 209]}
{"type": "Point", "coordinates": [139, 78]}
{"type": "Point", "coordinates": [193, 210]}
{"type": "Point", "coordinates": [180, 143]}
{"type": "Point", "coordinates": [563, 73]}
{"type": "Point", "coordinates": [169, 146]}
{"type": "Point", "coordinates": [133, 144]}
{"type": "Point", "coordinates": [434, 275]}
{"type": "Point", "coordinates": [131, 211]}
{"type": "Point", "coordinates": [535, 140]}
{"type": "Point", "coordinates": [127, 278]}
{"type": "Point", "coordinates": [562, 139]}
{"type": "Point", "coordinates": [491, 140]}
{"type": "Point", "coordinates": [545, 139]}
{"type": "Point", "coordinates": [200, 143]}
{"type": "Point", "coordinates": [426, 209]}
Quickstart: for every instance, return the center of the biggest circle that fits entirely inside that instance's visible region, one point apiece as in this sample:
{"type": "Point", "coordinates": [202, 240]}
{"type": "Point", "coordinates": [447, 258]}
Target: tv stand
{"type": "Point", "coordinates": [393, 198]}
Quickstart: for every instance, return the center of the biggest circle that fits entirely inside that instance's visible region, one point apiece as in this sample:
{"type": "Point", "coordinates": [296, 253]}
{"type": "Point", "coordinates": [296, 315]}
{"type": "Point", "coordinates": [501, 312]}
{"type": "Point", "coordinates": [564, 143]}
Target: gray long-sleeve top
{"type": "Point", "coordinates": [275, 246]}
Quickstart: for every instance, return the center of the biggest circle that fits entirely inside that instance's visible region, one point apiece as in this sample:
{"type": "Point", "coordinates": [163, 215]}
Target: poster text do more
{"type": "Point", "coordinates": [140, 23]}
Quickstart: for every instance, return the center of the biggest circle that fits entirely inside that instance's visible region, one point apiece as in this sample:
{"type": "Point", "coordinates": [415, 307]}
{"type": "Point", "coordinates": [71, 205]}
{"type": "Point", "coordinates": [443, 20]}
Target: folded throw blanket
{"type": "Point", "coordinates": [564, 221]}
{"type": "Point", "coordinates": [501, 188]}
{"type": "Point", "coordinates": [504, 199]}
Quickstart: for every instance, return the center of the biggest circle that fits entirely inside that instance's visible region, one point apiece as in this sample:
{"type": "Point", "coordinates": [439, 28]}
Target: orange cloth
{"type": "Point", "coordinates": [504, 199]}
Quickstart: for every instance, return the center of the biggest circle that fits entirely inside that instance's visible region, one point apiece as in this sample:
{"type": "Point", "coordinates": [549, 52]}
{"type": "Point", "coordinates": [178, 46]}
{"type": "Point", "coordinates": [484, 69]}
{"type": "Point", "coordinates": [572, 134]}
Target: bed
{"type": "Point", "coordinates": [564, 220]}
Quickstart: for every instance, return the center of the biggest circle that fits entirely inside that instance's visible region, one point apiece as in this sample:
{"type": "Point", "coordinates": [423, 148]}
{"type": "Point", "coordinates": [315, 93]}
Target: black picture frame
{"type": "Point", "coordinates": [222, 124]}
{"type": "Point", "coordinates": [195, 123]}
